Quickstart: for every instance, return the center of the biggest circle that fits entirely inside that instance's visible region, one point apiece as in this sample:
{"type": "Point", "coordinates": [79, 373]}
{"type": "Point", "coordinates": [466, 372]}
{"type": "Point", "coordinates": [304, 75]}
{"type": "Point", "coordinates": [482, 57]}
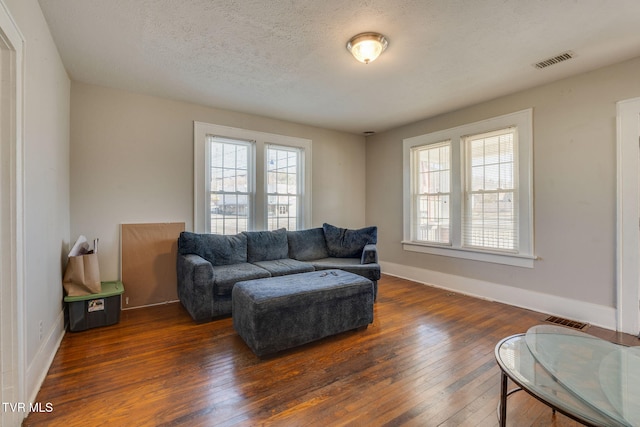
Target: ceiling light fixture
{"type": "Point", "coordinates": [366, 47]}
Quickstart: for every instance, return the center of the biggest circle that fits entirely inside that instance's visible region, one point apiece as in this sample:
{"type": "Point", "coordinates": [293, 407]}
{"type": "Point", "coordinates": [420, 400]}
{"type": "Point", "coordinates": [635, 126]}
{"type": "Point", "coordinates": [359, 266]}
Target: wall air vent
{"type": "Point", "coordinates": [566, 322]}
{"type": "Point", "coordinates": [555, 60]}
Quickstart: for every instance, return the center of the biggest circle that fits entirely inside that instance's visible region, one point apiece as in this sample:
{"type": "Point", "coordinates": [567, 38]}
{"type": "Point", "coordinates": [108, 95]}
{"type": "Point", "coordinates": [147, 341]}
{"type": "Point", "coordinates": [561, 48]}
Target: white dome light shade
{"type": "Point", "coordinates": [366, 47]}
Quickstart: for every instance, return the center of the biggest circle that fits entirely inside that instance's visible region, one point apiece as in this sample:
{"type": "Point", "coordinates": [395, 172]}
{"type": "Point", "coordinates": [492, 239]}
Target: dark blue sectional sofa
{"type": "Point", "coordinates": [209, 265]}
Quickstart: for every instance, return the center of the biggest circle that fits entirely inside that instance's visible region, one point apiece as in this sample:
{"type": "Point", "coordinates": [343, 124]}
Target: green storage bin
{"type": "Point", "coordinates": [94, 310]}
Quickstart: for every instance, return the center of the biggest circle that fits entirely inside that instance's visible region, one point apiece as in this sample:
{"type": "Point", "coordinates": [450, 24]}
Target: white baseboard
{"type": "Point", "coordinates": [593, 314]}
{"type": "Point", "coordinates": [37, 370]}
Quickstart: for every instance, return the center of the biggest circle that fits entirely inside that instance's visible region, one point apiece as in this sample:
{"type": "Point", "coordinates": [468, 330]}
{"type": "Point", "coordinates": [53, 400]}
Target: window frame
{"type": "Point", "coordinates": [524, 255]}
{"type": "Point", "coordinates": [299, 153]}
{"type": "Point", "coordinates": [260, 140]}
{"type": "Point", "coordinates": [468, 191]}
{"type": "Point", "coordinates": [416, 194]}
{"type": "Point", "coordinates": [251, 171]}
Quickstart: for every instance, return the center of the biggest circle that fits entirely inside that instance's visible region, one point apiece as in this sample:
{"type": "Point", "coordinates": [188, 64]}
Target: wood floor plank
{"type": "Point", "coordinates": [427, 360]}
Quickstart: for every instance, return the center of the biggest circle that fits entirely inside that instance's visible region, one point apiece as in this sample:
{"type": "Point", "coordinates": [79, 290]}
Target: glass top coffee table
{"type": "Point", "coordinates": [590, 380]}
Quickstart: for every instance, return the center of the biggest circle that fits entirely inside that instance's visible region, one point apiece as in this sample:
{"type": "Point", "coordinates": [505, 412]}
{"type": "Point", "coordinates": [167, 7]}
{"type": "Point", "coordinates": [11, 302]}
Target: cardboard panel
{"type": "Point", "coordinates": [148, 263]}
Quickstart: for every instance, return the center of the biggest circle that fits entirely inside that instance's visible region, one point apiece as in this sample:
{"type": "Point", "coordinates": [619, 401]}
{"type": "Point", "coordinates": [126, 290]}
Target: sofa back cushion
{"type": "Point", "coordinates": [345, 243]}
{"type": "Point", "coordinates": [267, 245]}
{"type": "Point", "coordinates": [215, 248]}
{"type": "Point", "coordinates": [307, 245]}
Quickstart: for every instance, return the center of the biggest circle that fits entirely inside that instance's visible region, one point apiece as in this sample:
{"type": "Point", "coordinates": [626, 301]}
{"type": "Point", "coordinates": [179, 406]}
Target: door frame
{"type": "Point", "coordinates": [628, 216]}
{"type": "Point", "coordinates": [12, 273]}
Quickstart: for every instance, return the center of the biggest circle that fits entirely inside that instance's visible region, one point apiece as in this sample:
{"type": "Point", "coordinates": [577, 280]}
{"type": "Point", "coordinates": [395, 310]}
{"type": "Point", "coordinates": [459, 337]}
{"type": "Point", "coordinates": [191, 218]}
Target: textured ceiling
{"type": "Point", "coordinates": [287, 59]}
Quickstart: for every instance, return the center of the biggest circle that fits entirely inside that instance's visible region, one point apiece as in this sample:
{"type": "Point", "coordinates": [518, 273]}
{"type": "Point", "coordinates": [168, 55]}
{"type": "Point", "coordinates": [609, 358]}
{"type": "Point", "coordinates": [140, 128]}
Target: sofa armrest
{"type": "Point", "coordinates": [195, 286]}
{"type": "Point", "coordinates": [369, 254]}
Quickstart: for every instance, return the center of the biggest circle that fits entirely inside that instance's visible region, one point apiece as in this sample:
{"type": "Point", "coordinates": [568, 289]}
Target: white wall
{"type": "Point", "coordinates": [574, 198]}
{"type": "Point", "coordinates": [132, 162]}
{"type": "Point", "coordinates": [46, 188]}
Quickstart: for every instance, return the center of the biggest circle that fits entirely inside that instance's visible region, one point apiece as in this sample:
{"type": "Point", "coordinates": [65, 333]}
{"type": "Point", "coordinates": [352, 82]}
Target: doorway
{"type": "Point", "coordinates": [628, 220]}
{"type": "Point", "coordinates": [12, 341]}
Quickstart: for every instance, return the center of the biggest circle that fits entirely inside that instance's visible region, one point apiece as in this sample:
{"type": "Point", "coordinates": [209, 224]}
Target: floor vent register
{"type": "Point", "coordinates": [566, 322]}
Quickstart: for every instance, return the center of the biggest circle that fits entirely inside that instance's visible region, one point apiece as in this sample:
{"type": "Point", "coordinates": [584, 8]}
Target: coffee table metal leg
{"type": "Point", "coordinates": [503, 400]}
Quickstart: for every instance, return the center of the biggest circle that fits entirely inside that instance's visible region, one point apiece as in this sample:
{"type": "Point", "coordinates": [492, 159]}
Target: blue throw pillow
{"type": "Point", "coordinates": [215, 248]}
{"type": "Point", "coordinates": [267, 245]}
{"type": "Point", "coordinates": [307, 245]}
{"type": "Point", "coordinates": [345, 243]}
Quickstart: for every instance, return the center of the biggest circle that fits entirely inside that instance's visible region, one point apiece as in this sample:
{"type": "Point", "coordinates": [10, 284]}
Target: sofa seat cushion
{"type": "Point", "coordinates": [281, 267]}
{"type": "Point", "coordinates": [225, 276]}
{"type": "Point", "coordinates": [266, 245]}
{"type": "Point", "coordinates": [352, 265]}
{"type": "Point", "coordinates": [346, 243]}
{"type": "Point", "coordinates": [306, 245]}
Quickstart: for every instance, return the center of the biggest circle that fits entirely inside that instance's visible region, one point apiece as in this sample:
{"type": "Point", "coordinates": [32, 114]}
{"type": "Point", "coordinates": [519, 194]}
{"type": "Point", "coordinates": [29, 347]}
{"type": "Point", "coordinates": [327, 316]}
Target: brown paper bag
{"type": "Point", "coordinates": [82, 275]}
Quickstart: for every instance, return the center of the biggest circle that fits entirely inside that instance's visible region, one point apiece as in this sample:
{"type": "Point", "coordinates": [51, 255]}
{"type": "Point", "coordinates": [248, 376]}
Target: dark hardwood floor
{"type": "Point", "coordinates": [427, 360]}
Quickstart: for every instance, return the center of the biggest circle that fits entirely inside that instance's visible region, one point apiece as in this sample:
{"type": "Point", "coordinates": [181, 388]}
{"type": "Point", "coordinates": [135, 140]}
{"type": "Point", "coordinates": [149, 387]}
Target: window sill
{"type": "Point", "coordinates": [515, 260]}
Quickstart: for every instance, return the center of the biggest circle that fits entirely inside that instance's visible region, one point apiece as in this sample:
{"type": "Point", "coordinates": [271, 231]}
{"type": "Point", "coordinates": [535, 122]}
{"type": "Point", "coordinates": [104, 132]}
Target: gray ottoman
{"type": "Point", "coordinates": [278, 313]}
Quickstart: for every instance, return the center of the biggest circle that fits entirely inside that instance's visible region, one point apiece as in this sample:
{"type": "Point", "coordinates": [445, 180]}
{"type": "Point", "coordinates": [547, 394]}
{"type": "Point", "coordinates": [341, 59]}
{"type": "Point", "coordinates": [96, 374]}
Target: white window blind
{"type": "Point", "coordinates": [432, 192]}
{"type": "Point", "coordinates": [491, 191]}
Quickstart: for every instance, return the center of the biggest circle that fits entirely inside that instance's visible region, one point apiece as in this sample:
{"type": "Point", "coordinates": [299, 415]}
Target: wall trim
{"type": "Point", "coordinates": [628, 212]}
{"type": "Point", "coordinates": [12, 278]}
{"type": "Point", "coordinates": [597, 315]}
{"type": "Point", "coordinates": [43, 359]}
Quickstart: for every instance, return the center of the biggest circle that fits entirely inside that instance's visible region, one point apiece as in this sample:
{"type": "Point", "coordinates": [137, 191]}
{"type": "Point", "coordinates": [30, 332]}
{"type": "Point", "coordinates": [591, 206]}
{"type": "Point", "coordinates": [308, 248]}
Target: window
{"type": "Point", "coordinates": [246, 180]}
{"type": "Point", "coordinates": [491, 216]}
{"type": "Point", "coordinates": [468, 191]}
{"type": "Point", "coordinates": [283, 187]}
{"type": "Point", "coordinates": [230, 177]}
{"type": "Point", "coordinates": [432, 165]}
